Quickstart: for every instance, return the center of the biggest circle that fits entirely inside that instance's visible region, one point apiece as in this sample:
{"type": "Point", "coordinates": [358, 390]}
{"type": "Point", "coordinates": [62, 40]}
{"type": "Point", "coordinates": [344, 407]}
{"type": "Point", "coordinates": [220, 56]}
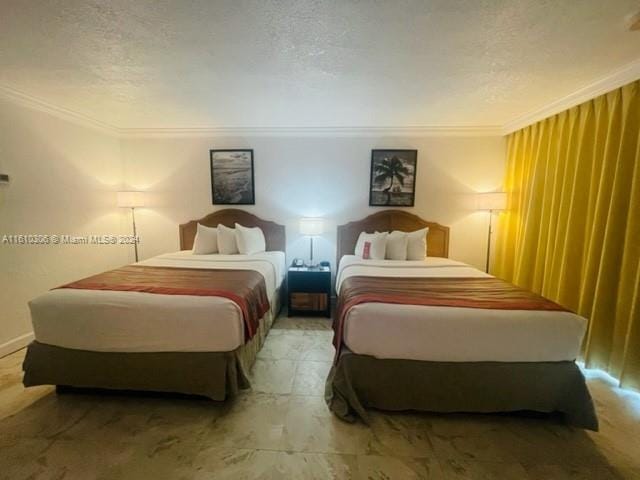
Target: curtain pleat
{"type": "Point", "coordinates": [571, 231]}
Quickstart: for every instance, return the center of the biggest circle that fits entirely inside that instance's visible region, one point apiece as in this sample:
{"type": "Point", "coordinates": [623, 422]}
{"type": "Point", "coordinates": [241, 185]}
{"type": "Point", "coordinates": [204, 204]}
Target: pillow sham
{"type": "Point", "coordinates": [397, 243]}
{"type": "Point", "coordinates": [227, 244]}
{"type": "Point", "coordinates": [206, 240]}
{"type": "Point", "coordinates": [250, 240]}
{"type": "Point", "coordinates": [417, 244]}
{"type": "Point", "coordinates": [377, 245]}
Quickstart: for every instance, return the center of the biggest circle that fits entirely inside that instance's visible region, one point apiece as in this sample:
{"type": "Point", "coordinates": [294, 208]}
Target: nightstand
{"type": "Point", "coordinates": [309, 291]}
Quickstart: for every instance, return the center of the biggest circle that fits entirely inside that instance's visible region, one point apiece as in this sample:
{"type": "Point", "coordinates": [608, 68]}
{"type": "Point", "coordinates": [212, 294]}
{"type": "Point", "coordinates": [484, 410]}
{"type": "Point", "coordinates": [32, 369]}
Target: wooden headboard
{"type": "Point", "coordinates": [387, 221]}
{"type": "Point", "coordinates": [273, 233]}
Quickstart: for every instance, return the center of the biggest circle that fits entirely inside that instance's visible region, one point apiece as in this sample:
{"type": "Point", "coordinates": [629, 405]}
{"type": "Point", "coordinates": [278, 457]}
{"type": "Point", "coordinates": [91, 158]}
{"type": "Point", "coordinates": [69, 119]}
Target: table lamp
{"type": "Point", "coordinates": [311, 227]}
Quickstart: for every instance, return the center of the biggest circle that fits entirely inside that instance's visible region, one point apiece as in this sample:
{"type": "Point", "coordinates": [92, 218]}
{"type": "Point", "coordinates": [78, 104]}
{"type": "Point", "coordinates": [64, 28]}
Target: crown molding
{"type": "Point", "coordinates": [34, 103]}
{"type": "Point", "coordinates": [38, 104]}
{"type": "Point", "coordinates": [290, 131]}
{"type": "Point", "coordinates": [613, 80]}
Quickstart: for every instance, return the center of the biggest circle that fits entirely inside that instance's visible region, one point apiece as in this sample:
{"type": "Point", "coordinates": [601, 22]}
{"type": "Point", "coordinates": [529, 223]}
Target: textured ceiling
{"type": "Point", "coordinates": [170, 63]}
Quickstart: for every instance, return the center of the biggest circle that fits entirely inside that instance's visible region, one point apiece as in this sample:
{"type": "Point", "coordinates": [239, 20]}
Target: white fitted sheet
{"type": "Point", "coordinates": [452, 334]}
{"type": "Point", "coordinates": [113, 321]}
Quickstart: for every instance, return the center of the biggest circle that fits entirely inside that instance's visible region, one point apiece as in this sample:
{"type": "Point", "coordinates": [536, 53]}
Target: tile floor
{"type": "Point", "coordinates": [282, 429]}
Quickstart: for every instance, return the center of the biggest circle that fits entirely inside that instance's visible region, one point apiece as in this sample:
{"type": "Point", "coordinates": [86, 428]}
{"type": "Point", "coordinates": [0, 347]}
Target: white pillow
{"type": "Point", "coordinates": [227, 240]}
{"type": "Point", "coordinates": [206, 240]}
{"type": "Point", "coordinates": [397, 243]}
{"type": "Point", "coordinates": [417, 245]}
{"type": "Point", "coordinates": [250, 240]}
{"type": "Point", "coordinates": [378, 245]}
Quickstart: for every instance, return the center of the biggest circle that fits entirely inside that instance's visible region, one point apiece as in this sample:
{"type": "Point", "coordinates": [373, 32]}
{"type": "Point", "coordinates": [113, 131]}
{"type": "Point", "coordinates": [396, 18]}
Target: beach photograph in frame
{"type": "Point", "coordinates": [232, 181]}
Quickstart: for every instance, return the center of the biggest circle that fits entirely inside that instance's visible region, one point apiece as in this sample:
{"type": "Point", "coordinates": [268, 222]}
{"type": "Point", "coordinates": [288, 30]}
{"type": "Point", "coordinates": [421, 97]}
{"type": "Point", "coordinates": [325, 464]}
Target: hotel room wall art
{"type": "Point", "coordinates": [232, 180]}
{"type": "Point", "coordinates": [393, 178]}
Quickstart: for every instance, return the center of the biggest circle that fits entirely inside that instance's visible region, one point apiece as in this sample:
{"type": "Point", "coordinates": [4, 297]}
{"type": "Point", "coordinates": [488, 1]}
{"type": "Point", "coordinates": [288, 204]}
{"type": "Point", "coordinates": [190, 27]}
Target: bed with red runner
{"type": "Point", "coordinates": [439, 335]}
{"type": "Point", "coordinates": [177, 322]}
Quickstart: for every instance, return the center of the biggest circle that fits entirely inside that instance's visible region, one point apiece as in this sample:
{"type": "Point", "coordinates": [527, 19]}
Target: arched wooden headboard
{"type": "Point", "coordinates": [387, 221]}
{"type": "Point", "coordinates": [274, 234]}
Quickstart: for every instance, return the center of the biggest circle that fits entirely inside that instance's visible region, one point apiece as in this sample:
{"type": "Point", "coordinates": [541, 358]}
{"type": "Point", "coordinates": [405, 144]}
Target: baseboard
{"type": "Point", "coordinates": [15, 344]}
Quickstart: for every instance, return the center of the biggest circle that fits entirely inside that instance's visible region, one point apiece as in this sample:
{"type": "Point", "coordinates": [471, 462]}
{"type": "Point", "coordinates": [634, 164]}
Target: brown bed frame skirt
{"type": "Point", "coordinates": [358, 382]}
{"type": "Point", "coordinates": [216, 375]}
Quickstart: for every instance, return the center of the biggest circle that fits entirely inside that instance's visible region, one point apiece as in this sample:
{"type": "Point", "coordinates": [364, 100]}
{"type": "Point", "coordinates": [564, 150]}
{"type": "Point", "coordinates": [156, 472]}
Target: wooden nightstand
{"type": "Point", "coordinates": [309, 291]}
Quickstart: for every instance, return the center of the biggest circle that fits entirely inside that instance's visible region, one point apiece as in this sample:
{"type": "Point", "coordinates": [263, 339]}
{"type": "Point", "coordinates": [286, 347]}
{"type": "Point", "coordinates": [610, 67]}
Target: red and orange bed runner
{"type": "Point", "coordinates": [482, 292]}
{"type": "Point", "coordinates": [246, 288]}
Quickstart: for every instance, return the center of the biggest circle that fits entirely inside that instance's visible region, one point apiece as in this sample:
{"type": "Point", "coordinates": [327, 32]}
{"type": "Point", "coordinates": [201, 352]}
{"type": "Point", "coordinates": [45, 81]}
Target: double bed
{"type": "Point", "coordinates": [177, 322]}
{"type": "Point", "coordinates": [443, 336]}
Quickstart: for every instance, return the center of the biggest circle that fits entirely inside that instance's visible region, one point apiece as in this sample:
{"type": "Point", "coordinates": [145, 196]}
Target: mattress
{"type": "Point", "coordinates": [115, 321]}
{"type": "Point", "coordinates": [453, 334]}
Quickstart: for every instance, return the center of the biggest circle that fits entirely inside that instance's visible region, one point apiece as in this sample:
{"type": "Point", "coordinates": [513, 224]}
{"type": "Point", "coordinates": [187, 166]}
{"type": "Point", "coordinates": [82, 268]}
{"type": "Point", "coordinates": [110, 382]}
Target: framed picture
{"type": "Point", "coordinates": [232, 180]}
{"type": "Point", "coordinates": [393, 178]}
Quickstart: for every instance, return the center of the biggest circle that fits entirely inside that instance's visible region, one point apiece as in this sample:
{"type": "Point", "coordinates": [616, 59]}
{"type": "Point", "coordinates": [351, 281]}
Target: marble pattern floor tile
{"type": "Point", "coordinates": [251, 421]}
{"type": "Point", "coordinates": [311, 427]}
{"type": "Point", "coordinates": [13, 396]}
{"type": "Point", "coordinates": [302, 323]}
{"type": "Point", "coordinates": [319, 351]}
{"type": "Point", "coordinates": [571, 472]}
{"type": "Point", "coordinates": [282, 429]}
{"type": "Point", "coordinates": [289, 345]}
{"type": "Point", "coordinates": [311, 377]}
{"type": "Point", "coordinates": [240, 464]}
{"type": "Point", "coordinates": [376, 467]}
{"type": "Point", "coordinates": [473, 470]}
{"type": "Point", "coordinates": [401, 434]}
{"type": "Point", "coordinates": [273, 376]}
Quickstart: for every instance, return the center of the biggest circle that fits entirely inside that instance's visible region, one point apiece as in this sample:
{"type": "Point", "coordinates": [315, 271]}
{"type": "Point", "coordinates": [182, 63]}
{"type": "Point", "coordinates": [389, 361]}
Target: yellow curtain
{"type": "Point", "coordinates": [572, 228]}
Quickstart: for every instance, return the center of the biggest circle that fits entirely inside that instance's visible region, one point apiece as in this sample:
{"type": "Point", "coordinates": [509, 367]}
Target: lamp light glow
{"type": "Point", "coordinates": [131, 199]}
{"type": "Point", "coordinates": [311, 226]}
{"type": "Point", "coordinates": [491, 201]}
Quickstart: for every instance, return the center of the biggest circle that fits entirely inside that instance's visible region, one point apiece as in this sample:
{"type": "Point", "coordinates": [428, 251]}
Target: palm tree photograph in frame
{"type": "Point", "coordinates": [393, 178]}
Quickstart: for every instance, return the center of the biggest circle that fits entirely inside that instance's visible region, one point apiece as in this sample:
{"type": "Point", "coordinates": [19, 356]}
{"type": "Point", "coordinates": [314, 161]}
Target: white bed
{"type": "Point", "coordinates": [448, 334]}
{"type": "Point", "coordinates": [406, 357]}
{"type": "Point", "coordinates": [116, 321]}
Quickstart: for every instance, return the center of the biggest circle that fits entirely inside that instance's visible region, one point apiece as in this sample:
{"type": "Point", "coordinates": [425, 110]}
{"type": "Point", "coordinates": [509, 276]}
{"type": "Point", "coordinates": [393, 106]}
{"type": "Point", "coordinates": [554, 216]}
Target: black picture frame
{"type": "Point", "coordinates": [231, 187]}
{"type": "Point", "coordinates": [396, 173]}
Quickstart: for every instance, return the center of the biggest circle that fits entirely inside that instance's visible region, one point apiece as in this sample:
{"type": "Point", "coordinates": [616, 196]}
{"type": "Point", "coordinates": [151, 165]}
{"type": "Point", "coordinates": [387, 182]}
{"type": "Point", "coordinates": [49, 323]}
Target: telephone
{"type": "Point", "coordinates": [299, 263]}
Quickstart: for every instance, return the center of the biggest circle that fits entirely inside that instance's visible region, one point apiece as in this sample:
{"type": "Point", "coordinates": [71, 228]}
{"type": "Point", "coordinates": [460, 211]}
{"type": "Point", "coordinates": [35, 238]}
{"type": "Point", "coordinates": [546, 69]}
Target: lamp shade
{"type": "Point", "coordinates": [491, 201]}
{"type": "Point", "coordinates": [311, 226]}
{"type": "Point", "coordinates": [130, 199]}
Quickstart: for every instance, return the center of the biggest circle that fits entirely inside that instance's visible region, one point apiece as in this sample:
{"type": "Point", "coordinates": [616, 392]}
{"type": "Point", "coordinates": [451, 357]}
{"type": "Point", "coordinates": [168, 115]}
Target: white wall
{"type": "Point", "coordinates": [63, 178]}
{"type": "Point", "coordinates": [314, 176]}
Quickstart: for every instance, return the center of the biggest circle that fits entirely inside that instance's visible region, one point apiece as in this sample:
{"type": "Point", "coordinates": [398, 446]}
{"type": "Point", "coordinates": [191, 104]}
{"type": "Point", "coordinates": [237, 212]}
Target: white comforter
{"type": "Point", "coordinates": [112, 321]}
{"type": "Point", "coordinates": [452, 334]}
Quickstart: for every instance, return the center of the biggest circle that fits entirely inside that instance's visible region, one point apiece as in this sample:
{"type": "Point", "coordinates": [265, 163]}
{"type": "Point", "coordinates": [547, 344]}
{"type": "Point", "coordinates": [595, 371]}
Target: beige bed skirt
{"type": "Point", "coordinates": [359, 382]}
{"type": "Point", "coordinates": [216, 375]}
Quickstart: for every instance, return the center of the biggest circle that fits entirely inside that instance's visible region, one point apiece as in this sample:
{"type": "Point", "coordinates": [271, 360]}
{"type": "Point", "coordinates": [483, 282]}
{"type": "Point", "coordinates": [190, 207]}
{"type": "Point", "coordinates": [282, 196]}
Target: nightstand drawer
{"type": "Point", "coordinates": [309, 301]}
{"type": "Point", "coordinates": [309, 291]}
{"type": "Point", "coordinates": [309, 282]}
